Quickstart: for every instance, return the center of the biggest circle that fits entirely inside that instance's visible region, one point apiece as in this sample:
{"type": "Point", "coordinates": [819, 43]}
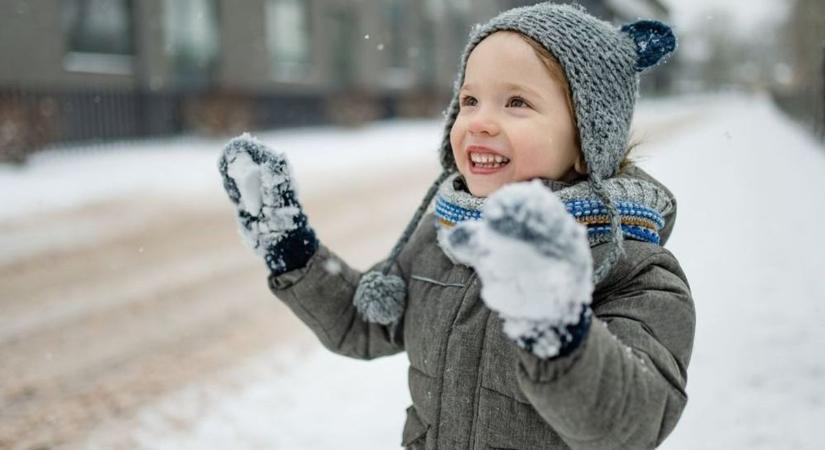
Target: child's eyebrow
{"type": "Point", "coordinates": [508, 86]}
{"type": "Point", "coordinates": [519, 87]}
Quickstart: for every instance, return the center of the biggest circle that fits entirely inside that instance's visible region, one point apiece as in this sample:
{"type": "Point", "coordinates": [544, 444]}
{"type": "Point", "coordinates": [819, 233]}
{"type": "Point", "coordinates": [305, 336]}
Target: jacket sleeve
{"type": "Point", "coordinates": [321, 295]}
{"type": "Point", "coordinates": [624, 386]}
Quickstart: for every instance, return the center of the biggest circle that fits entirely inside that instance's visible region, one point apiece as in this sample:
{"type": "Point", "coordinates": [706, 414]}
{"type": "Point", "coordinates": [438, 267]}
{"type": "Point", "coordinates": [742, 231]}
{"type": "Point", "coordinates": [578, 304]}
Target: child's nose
{"type": "Point", "coordinates": [483, 122]}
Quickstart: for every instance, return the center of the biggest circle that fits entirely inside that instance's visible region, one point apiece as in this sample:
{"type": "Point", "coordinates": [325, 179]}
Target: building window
{"type": "Point", "coordinates": [98, 35]}
{"type": "Point", "coordinates": [397, 74]}
{"type": "Point", "coordinates": [394, 16]}
{"type": "Point", "coordinates": [288, 38]}
{"type": "Point", "coordinates": [342, 31]}
{"type": "Point", "coordinates": [191, 41]}
{"type": "Point", "coordinates": [425, 54]}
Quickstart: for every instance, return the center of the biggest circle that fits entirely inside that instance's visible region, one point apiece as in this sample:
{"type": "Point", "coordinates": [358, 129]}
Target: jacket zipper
{"type": "Point", "coordinates": [466, 288]}
{"type": "Point", "coordinates": [479, 377]}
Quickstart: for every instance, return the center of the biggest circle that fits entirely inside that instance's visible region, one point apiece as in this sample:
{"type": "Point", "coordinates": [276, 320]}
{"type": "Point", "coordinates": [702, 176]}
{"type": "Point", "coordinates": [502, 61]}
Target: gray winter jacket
{"type": "Point", "coordinates": [473, 388]}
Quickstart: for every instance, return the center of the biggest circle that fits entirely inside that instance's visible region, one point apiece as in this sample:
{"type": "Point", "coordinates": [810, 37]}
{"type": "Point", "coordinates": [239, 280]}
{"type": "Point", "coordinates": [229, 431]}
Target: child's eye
{"type": "Point", "coordinates": [517, 102]}
{"type": "Point", "coordinates": [468, 100]}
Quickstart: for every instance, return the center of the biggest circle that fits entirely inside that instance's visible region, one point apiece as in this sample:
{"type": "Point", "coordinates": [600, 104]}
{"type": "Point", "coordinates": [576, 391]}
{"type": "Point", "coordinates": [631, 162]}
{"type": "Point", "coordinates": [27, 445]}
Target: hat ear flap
{"type": "Point", "coordinates": [653, 39]}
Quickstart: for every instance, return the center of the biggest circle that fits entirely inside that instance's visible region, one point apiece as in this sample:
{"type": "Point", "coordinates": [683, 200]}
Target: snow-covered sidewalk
{"type": "Point", "coordinates": [751, 191]}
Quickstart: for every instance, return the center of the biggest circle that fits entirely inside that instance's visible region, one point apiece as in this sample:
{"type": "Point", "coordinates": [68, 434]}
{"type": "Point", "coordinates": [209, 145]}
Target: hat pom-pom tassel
{"type": "Point", "coordinates": [380, 297]}
{"type": "Point", "coordinates": [653, 40]}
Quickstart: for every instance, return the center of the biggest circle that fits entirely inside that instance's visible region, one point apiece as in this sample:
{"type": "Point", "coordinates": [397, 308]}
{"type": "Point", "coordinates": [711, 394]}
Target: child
{"type": "Point", "coordinates": [536, 304]}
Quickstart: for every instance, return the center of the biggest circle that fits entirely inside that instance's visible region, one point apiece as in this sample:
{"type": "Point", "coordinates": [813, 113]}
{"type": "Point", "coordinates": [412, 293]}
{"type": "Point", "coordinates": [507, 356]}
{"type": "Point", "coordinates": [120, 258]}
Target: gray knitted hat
{"type": "Point", "coordinates": [602, 64]}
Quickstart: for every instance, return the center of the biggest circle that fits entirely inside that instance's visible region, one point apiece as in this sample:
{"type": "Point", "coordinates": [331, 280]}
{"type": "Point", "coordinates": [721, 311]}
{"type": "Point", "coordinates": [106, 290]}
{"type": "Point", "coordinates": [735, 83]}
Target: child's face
{"type": "Point", "coordinates": [514, 123]}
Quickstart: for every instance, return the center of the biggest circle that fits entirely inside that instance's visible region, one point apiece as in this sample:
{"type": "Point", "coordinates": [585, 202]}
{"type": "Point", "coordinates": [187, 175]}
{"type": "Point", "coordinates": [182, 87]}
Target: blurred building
{"type": "Point", "coordinates": [799, 83]}
{"type": "Point", "coordinates": [100, 69]}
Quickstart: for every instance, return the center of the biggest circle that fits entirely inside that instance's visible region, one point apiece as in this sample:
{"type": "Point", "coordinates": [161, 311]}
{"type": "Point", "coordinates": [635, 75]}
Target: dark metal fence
{"type": "Point", "coordinates": [32, 119]}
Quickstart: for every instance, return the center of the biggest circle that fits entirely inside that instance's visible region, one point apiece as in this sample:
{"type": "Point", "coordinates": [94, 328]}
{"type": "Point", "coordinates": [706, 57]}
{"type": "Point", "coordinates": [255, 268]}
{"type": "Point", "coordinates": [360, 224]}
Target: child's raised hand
{"type": "Point", "coordinates": [534, 263]}
{"type": "Point", "coordinates": [259, 182]}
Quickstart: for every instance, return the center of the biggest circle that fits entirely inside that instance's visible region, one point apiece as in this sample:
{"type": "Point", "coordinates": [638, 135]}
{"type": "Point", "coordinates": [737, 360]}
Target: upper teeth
{"type": "Point", "coordinates": [487, 158]}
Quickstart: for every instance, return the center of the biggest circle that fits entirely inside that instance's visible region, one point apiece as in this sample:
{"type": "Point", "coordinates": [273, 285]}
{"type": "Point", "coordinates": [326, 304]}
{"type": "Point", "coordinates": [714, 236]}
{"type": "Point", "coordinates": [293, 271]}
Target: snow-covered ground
{"type": "Point", "coordinates": [750, 187]}
{"type": "Point", "coordinates": [751, 191]}
{"type": "Point", "coordinates": [321, 157]}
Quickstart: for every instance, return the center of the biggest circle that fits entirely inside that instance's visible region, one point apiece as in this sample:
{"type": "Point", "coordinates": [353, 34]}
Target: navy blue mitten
{"type": "Point", "coordinates": [534, 262]}
{"type": "Point", "coordinates": [259, 183]}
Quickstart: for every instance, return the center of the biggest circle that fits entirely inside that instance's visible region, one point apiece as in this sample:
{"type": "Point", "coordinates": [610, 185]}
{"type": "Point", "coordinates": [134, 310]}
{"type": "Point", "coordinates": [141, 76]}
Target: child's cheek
{"type": "Point", "coordinates": [529, 163]}
{"type": "Point", "coordinates": [456, 142]}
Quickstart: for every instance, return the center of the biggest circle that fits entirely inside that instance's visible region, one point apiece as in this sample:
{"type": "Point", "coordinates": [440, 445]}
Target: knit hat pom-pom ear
{"type": "Point", "coordinates": [380, 298]}
{"type": "Point", "coordinates": [653, 39]}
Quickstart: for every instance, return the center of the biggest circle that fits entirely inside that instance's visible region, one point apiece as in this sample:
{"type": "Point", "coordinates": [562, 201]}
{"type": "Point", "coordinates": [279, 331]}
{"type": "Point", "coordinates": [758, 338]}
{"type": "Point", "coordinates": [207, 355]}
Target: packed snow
{"type": "Point", "coordinates": [247, 177]}
{"type": "Point", "coordinates": [749, 186]}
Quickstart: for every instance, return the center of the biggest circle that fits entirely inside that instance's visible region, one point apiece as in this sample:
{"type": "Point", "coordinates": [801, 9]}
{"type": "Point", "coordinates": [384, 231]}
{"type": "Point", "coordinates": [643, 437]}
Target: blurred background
{"type": "Point", "coordinates": [131, 316]}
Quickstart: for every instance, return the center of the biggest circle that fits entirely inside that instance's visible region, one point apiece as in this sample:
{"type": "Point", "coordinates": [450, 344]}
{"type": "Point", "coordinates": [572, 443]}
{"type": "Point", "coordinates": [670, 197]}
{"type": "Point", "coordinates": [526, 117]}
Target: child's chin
{"type": "Point", "coordinates": [483, 189]}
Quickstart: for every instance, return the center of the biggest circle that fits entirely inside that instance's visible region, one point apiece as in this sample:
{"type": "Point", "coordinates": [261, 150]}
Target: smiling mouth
{"type": "Point", "coordinates": [487, 161]}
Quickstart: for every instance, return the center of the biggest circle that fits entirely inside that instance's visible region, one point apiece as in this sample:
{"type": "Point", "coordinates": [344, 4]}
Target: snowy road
{"type": "Point", "coordinates": [111, 305]}
{"type": "Point", "coordinates": [132, 318]}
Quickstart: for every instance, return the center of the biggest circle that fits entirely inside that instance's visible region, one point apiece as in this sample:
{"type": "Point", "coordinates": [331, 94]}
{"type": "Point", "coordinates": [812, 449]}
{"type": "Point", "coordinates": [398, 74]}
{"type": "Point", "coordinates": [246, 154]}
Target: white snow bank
{"type": "Point", "coordinates": [72, 176]}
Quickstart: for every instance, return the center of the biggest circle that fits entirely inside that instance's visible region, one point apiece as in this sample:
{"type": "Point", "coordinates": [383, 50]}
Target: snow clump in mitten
{"type": "Point", "coordinates": [531, 255]}
{"type": "Point", "coordinates": [259, 181]}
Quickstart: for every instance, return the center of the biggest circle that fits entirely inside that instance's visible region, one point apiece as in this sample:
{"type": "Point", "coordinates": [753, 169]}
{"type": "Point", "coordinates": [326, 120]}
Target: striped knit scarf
{"type": "Point", "coordinates": [641, 204]}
